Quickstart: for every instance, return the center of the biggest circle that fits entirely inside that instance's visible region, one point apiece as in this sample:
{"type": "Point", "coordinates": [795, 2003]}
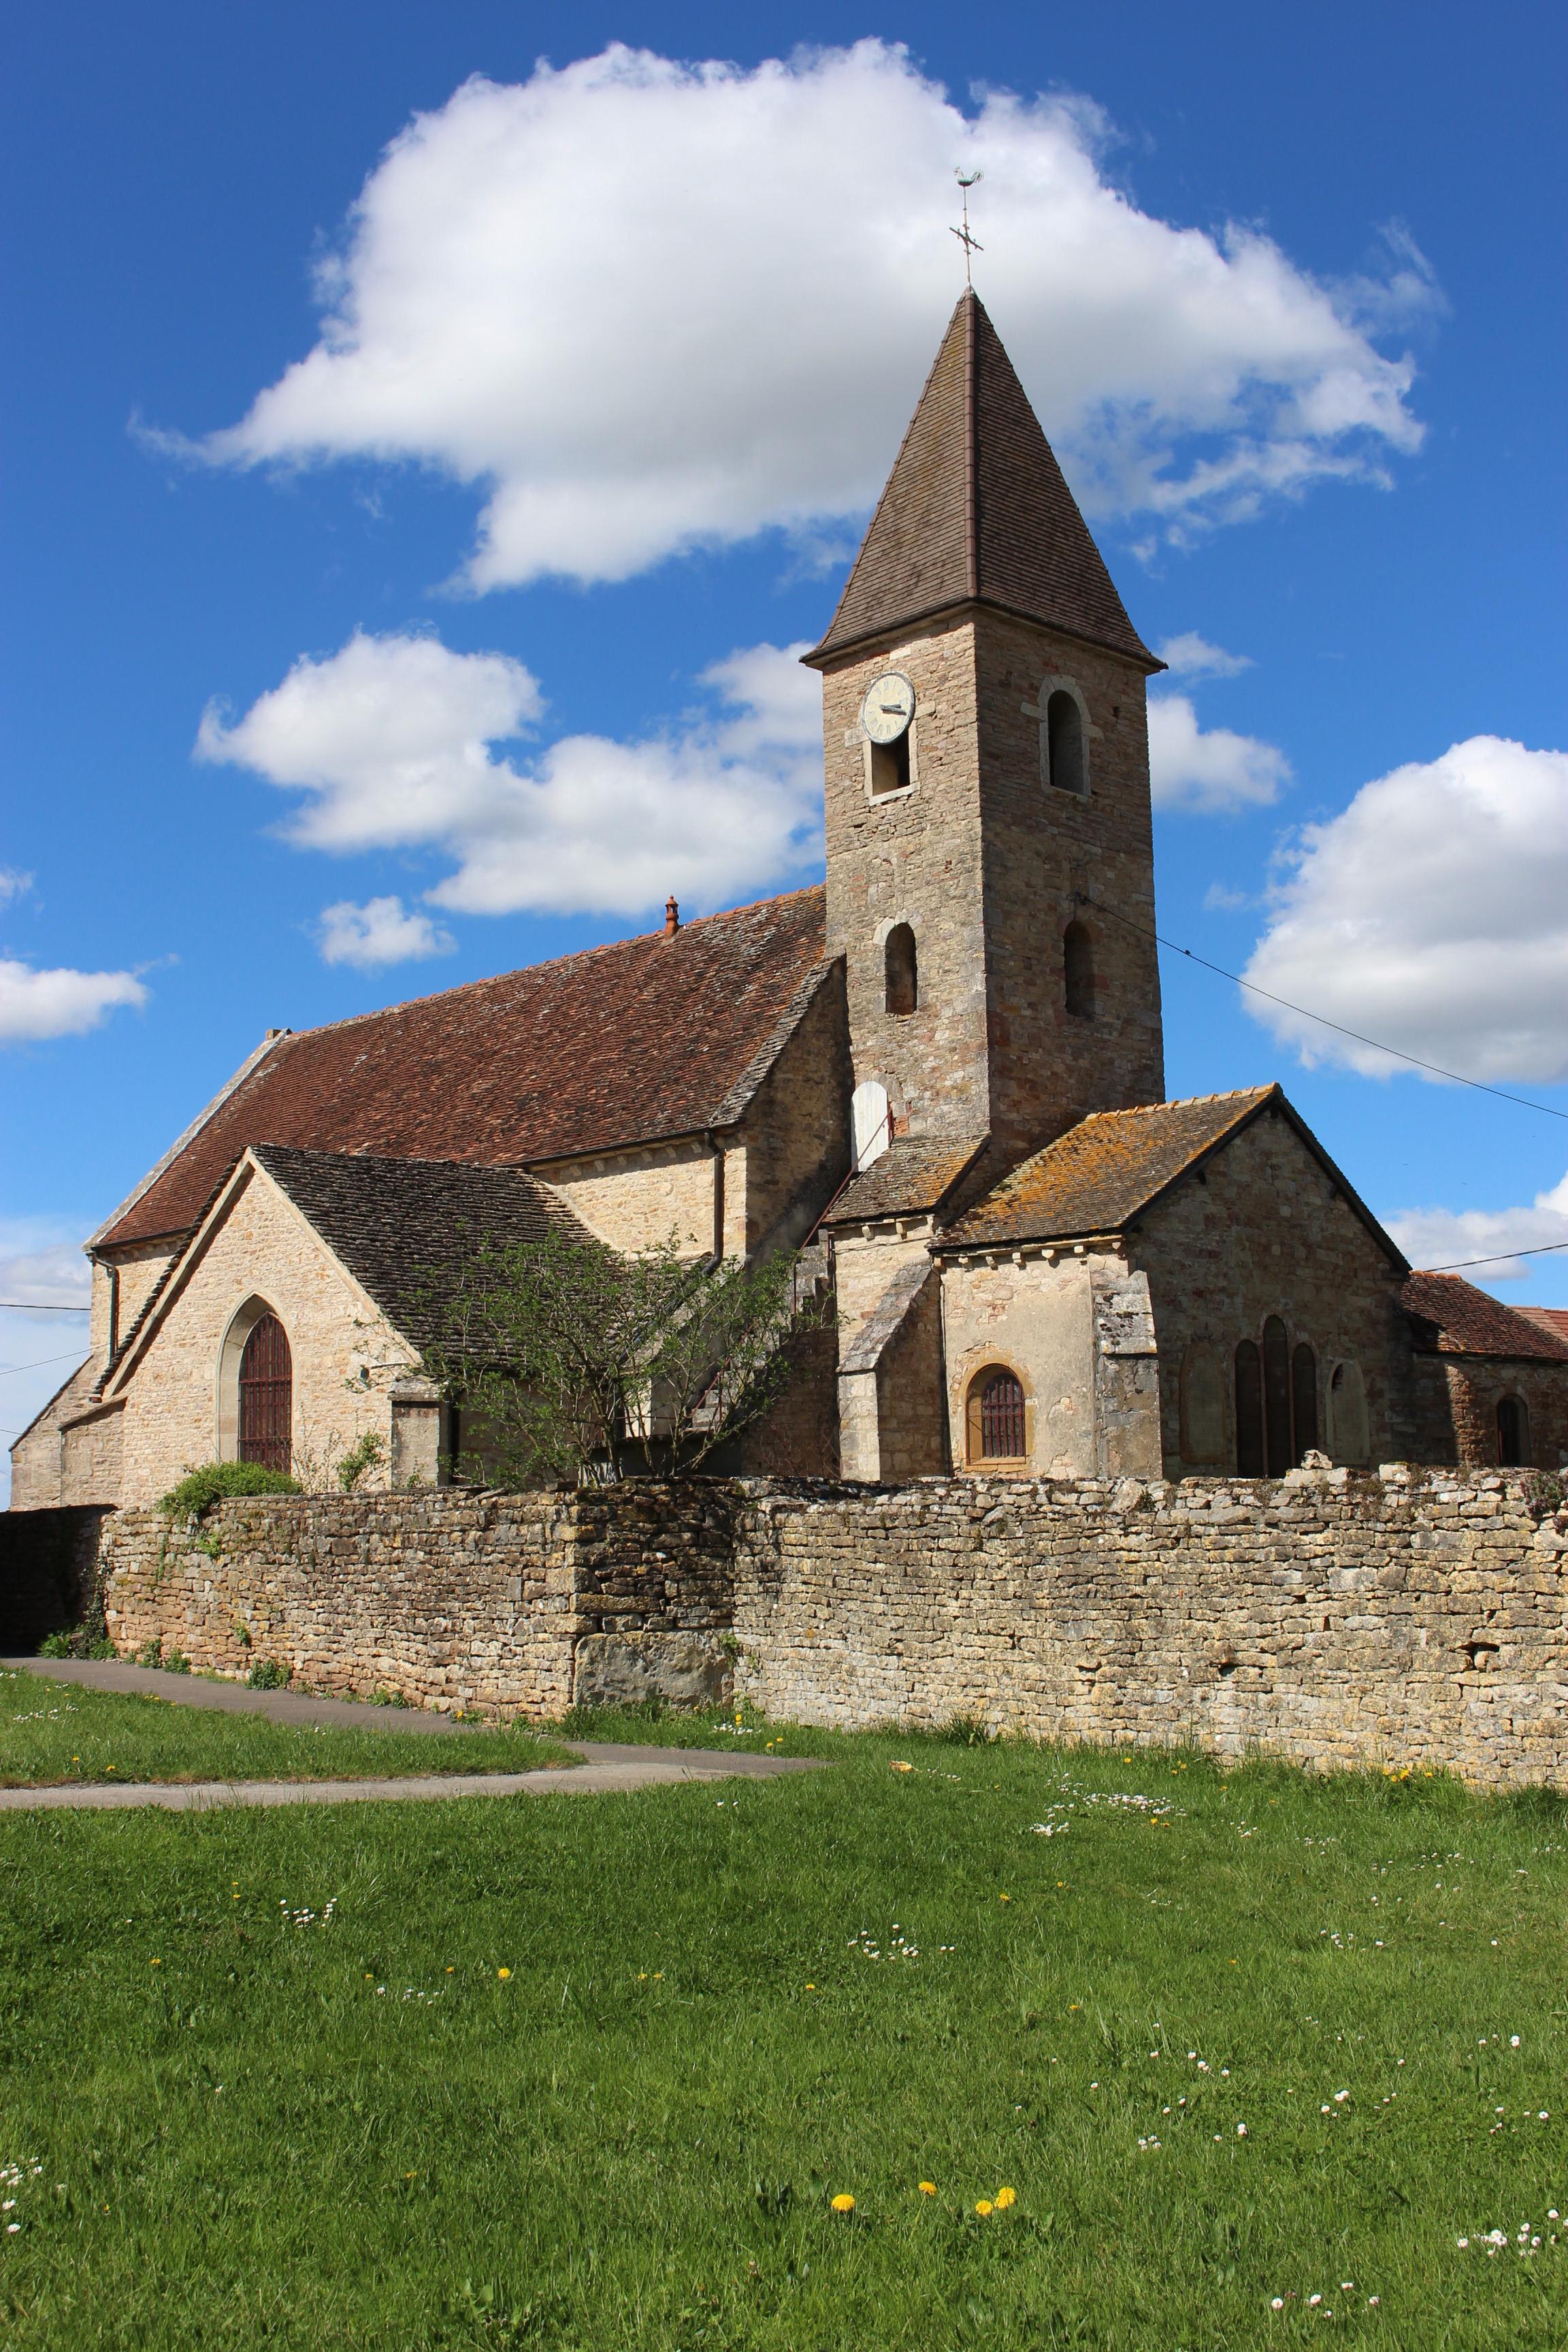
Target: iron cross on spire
{"type": "Point", "coordinates": [971, 244]}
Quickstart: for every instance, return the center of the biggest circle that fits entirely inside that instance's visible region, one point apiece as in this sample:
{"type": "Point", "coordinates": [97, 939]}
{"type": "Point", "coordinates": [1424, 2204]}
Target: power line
{"type": "Point", "coordinates": [33, 1306]}
{"type": "Point", "coordinates": [1395, 1052]}
{"type": "Point", "coordinates": [7, 1370]}
{"type": "Point", "coordinates": [1498, 1257]}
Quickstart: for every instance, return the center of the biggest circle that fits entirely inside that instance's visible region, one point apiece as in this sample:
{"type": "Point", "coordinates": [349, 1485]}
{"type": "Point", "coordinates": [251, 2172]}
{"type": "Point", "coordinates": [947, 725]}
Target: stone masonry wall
{"type": "Point", "coordinates": [444, 1599]}
{"type": "Point", "coordinates": [1331, 1618]}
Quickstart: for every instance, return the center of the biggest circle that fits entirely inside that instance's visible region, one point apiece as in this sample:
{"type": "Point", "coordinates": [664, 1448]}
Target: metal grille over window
{"type": "Point", "coordinates": [265, 1396]}
{"type": "Point", "coordinates": [1002, 1419]}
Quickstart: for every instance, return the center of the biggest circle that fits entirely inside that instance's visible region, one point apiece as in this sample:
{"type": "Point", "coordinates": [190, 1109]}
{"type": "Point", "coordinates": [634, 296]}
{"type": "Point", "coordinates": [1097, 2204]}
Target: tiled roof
{"type": "Point", "coordinates": [1550, 1318]}
{"type": "Point", "coordinates": [409, 1229]}
{"type": "Point", "coordinates": [650, 1038]}
{"type": "Point", "coordinates": [1099, 1174]}
{"type": "Point", "coordinates": [1450, 1316]}
{"type": "Point", "coordinates": [913, 1177]}
{"type": "Point", "coordinates": [976, 508]}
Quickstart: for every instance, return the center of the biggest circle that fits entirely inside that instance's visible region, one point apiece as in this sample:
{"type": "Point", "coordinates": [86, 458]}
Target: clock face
{"type": "Point", "coordinates": [889, 707]}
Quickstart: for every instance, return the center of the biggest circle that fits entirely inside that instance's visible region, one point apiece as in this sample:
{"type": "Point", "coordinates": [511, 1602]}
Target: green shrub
{"type": "Point", "coordinates": [199, 1489]}
{"type": "Point", "coordinates": [359, 1460]}
{"type": "Point", "coordinates": [55, 1645]}
{"type": "Point", "coordinates": [268, 1674]}
{"type": "Point", "coordinates": [176, 1662]}
{"type": "Point", "coordinates": [151, 1654]}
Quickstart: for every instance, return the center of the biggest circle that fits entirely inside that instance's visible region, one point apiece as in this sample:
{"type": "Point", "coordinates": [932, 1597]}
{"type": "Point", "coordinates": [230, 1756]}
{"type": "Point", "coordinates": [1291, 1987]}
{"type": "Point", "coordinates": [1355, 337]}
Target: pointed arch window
{"type": "Point", "coordinates": [901, 970]}
{"type": "Point", "coordinates": [267, 1395]}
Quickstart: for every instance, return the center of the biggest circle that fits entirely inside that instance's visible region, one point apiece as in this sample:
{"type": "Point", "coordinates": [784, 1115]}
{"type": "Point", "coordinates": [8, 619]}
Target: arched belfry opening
{"type": "Point", "coordinates": [901, 970]}
{"type": "Point", "coordinates": [1064, 743]}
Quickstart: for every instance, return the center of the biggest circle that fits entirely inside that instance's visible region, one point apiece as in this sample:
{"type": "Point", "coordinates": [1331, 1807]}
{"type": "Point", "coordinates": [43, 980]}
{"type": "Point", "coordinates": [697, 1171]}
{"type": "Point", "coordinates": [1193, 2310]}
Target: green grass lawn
{"type": "Point", "coordinates": [579, 2072]}
{"type": "Point", "coordinates": [55, 1732]}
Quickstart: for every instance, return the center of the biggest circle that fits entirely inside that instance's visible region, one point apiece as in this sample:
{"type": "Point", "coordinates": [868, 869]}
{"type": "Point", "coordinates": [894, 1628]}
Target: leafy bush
{"type": "Point", "coordinates": [199, 1489]}
{"type": "Point", "coordinates": [367, 1456]}
{"type": "Point", "coordinates": [268, 1674]}
{"type": "Point", "coordinates": [55, 1645]}
{"type": "Point", "coordinates": [77, 1641]}
{"type": "Point", "coordinates": [176, 1662]}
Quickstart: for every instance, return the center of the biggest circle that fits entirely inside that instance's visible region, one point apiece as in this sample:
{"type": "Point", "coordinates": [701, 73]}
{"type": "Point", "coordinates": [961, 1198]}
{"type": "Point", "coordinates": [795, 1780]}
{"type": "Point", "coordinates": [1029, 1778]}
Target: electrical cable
{"type": "Point", "coordinates": [1395, 1053]}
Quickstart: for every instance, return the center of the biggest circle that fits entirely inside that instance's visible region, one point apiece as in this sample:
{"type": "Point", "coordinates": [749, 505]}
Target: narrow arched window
{"type": "Point", "coordinates": [1077, 972]}
{"type": "Point", "coordinates": [1064, 742]}
{"type": "Point", "coordinates": [266, 1395]}
{"type": "Point", "coordinates": [1512, 1433]}
{"type": "Point", "coordinates": [997, 1430]}
{"type": "Point", "coordinates": [1277, 1395]}
{"type": "Point", "coordinates": [902, 970]}
{"type": "Point", "coordinates": [1250, 1458]}
{"type": "Point", "coordinates": [1303, 1400]}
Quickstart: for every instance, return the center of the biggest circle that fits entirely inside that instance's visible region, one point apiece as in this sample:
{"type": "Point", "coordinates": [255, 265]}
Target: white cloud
{"type": "Point", "coordinates": [1432, 914]}
{"type": "Point", "coordinates": [1209, 770]}
{"type": "Point", "coordinates": [393, 739]}
{"type": "Point", "coordinates": [13, 884]}
{"type": "Point", "coordinates": [642, 306]}
{"type": "Point", "coordinates": [41, 1265]}
{"type": "Point", "coordinates": [380, 932]}
{"type": "Point", "coordinates": [61, 1003]}
{"type": "Point", "coordinates": [1190, 655]}
{"type": "Point", "coordinates": [1444, 1237]}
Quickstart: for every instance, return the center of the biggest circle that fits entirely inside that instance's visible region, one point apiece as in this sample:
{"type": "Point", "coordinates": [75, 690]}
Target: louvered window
{"type": "Point", "coordinates": [266, 1395]}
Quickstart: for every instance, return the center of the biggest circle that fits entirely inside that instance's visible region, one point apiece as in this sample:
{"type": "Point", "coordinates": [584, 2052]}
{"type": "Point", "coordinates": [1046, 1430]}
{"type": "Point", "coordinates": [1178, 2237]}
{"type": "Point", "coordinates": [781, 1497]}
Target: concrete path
{"type": "Point", "coordinates": [231, 1698]}
{"type": "Point", "coordinates": [607, 1766]}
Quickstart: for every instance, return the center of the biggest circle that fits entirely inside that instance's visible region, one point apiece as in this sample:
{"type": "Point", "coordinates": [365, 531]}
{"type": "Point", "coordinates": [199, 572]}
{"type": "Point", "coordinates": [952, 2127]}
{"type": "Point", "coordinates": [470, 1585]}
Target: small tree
{"type": "Point", "coordinates": [565, 1355]}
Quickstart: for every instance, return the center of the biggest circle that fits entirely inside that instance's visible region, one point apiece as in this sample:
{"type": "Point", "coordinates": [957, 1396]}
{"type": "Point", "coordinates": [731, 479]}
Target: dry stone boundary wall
{"type": "Point", "coordinates": [1414, 1618]}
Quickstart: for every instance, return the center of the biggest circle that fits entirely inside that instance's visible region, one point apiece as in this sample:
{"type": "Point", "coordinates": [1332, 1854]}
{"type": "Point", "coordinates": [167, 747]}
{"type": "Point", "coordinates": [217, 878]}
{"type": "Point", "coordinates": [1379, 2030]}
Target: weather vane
{"type": "Point", "coordinates": [971, 244]}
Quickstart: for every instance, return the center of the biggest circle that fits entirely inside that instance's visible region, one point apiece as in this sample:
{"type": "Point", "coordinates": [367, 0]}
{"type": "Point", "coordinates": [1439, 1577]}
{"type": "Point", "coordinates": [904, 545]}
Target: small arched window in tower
{"type": "Point", "coordinates": [997, 1430]}
{"type": "Point", "coordinates": [902, 970]}
{"type": "Point", "coordinates": [1512, 1433]}
{"type": "Point", "coordinates": [1064, 743]}
{"type": "Point", "coordinates": [1303, 1400]}
{"type": "Point", "coordinates": [1077, 972]}
{"type": "Point", "coordinates": [266, 1395]}
{"type": "Point", "coordinates": [1250, 1458]}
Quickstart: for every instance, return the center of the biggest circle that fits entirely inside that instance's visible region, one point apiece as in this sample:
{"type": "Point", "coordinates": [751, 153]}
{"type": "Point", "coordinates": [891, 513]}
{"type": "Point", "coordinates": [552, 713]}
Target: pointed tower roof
{"type": "Point", "coordinates": [976, 510]}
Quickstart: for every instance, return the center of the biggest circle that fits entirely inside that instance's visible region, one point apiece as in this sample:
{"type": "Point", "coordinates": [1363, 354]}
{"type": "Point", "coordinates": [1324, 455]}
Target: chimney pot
{"type": "Point", "coordinates": [671, 918]}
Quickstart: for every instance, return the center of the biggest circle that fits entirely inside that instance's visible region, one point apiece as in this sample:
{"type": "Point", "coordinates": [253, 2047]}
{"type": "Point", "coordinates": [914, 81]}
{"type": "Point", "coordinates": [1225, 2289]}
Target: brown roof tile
{"type": "Point", "coordinates": [977, 509]}
{"type": "Point", "coordinates": [1450, 1316]}
{"type": "Point", "coordinates": [913, 1177]}
{"type": "Point", "coordinates": [1550, 1318]}
{"type": "Point", "coordinates": [649, 1037]}
{"type": "Point", "coordinates": [1097, 1177]}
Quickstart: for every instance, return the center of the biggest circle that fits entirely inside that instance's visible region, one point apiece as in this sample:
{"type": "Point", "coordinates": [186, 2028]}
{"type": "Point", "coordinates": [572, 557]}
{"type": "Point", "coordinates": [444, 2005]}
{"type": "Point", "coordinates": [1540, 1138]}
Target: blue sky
{"type": "Point", "coordinates": [598, 381]}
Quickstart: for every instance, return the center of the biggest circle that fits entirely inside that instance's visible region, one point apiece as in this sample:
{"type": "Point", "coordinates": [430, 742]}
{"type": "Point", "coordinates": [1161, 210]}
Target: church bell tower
{"type": "Point", "coordinates": [987, 785]}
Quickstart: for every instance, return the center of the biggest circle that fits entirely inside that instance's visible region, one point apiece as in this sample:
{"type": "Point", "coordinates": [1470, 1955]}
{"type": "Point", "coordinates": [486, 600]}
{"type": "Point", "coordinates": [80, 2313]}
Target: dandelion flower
{"type": "Point", "coordinates": [984, 2208]}
{"type": "Point", "coordinates": [926, 2187]}
{"type": "Point", "coordinates": [1005, 2196]}
{"type": "Point", "coordinates": [157, 1964]}
{"type": "Point", "coordinates": [503, 1972]}
{"type": "Point", "coordinates": [843, 2204]}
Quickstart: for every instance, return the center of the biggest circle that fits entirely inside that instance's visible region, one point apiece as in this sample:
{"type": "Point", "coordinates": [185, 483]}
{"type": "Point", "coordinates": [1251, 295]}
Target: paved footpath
{"type": "Point", "coordinates": [606, 1767]}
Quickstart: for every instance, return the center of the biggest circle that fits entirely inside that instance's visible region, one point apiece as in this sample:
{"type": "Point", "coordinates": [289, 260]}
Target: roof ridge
{"type": "Point", "coordinates": [550, 963]}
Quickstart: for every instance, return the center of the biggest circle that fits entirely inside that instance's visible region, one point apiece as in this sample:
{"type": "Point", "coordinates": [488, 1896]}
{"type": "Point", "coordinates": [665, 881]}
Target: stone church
{"type": "Point", "coordinates": [940, 1073]}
